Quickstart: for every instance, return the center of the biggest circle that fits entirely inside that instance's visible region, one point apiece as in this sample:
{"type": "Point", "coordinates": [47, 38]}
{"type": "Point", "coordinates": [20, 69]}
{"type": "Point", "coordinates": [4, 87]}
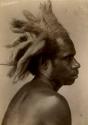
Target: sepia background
{"type": "Point", "coordinates": [74, 17]}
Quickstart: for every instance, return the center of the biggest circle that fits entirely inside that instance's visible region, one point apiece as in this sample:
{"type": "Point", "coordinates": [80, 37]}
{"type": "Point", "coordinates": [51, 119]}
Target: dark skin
{"type": "Point", "coordinates": [38, 103]}
{"type": "Point", "coordinates": [65, 65]}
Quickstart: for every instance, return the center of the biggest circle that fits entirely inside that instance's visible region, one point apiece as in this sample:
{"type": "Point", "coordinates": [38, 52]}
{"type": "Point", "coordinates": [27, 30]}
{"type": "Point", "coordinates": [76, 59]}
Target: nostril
{"type": "Point", "coordinates": [78, 65]}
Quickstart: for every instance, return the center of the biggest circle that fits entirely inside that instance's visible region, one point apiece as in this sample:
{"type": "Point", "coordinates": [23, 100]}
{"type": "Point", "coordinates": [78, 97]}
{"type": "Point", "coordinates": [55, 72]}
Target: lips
{"type": "Point", "coordinates": [75, 75]}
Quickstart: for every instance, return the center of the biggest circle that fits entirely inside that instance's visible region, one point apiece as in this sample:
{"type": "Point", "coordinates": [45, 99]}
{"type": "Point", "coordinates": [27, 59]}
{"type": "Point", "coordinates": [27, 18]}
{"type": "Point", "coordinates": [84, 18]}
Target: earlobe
{"type": "Point", "coordinates": [46, 64]}
{"type": "Point", "coordinates": [46, 68]}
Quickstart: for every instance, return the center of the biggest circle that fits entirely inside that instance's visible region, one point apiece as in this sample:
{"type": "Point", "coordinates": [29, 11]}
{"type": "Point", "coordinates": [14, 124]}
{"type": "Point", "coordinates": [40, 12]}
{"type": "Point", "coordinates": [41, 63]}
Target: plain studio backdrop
{"type": "Point", "coordinates": [74, 17]}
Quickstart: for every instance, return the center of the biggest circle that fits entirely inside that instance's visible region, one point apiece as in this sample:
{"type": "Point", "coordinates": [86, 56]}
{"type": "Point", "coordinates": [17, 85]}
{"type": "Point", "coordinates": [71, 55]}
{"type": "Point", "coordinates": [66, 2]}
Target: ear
{"type": "Point", "coordinates": [45, 65]}
{"type": "Point", "coordinates": [46, 68]}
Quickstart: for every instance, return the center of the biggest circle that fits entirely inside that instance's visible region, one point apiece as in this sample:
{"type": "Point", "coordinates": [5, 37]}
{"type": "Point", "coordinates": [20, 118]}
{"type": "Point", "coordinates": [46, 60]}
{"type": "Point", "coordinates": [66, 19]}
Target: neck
{"type": "Point", "coordinates": [52, 83]}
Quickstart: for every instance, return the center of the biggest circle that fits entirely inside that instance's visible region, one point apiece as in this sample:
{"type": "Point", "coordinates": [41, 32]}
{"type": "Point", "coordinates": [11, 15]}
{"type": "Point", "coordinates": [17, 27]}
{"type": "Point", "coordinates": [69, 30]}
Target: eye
{"type": "Point", "coordinates": [69, 58]}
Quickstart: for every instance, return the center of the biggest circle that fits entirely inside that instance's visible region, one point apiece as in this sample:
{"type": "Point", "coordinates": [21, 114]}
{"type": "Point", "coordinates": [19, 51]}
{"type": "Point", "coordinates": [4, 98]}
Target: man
{"type": "Point", "coordinates": [48, 53]}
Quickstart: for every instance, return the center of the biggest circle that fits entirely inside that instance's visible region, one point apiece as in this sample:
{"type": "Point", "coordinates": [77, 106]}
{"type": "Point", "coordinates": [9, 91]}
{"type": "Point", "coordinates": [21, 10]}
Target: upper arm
{"type": "Point", "coordinates": [53, 111]}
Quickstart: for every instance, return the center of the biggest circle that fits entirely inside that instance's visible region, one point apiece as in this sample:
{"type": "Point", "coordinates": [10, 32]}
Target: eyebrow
{"type": "Point", "coordinates": [69, 54]}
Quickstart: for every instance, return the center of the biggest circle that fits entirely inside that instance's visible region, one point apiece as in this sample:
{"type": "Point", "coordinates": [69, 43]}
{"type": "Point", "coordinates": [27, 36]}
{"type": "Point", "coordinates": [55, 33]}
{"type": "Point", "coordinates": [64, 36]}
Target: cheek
{"type": "Point", "coordinates": [62, 72]}
{"type": "Point", "coordinates": [62, 69]}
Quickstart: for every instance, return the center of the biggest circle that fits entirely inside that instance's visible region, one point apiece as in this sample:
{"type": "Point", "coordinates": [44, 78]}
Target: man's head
{"type": "Point", "coordinates": [63, 69]}
{"type": "Point", "coordinates": [45, 46]}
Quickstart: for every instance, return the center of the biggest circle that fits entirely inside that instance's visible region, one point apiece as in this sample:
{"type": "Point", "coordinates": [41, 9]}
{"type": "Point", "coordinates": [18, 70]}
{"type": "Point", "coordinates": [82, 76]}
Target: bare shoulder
{"type": "Point", "coordinates": [54, 100]}
{"type": "Point", "coordinates": [55, 110]}
{"type": "Point", "coordinates": [38, 105]}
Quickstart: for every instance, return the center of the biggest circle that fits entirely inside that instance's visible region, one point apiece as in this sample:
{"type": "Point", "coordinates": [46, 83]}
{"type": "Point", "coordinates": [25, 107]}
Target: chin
{"type": "Point", "coordinates": [69, 82]}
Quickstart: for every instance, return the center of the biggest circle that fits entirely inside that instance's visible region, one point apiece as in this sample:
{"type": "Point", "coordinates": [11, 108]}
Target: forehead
{"type": "Point", "coordinates": [66, 47]}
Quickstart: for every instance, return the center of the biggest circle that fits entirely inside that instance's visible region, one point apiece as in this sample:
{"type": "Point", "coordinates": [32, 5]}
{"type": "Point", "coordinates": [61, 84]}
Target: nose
{"type": "Point", "coordinates": [75, 64]}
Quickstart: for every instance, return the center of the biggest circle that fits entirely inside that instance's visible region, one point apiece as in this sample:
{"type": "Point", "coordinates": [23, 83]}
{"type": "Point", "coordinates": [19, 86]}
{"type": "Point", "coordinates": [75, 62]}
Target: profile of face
{"type": "Point", "coordinates": [65, 66]}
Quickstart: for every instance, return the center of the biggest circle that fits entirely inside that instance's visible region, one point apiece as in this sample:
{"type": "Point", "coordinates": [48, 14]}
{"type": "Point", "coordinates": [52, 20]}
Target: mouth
{"type": "Point", "coordinates": [75, 76]}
